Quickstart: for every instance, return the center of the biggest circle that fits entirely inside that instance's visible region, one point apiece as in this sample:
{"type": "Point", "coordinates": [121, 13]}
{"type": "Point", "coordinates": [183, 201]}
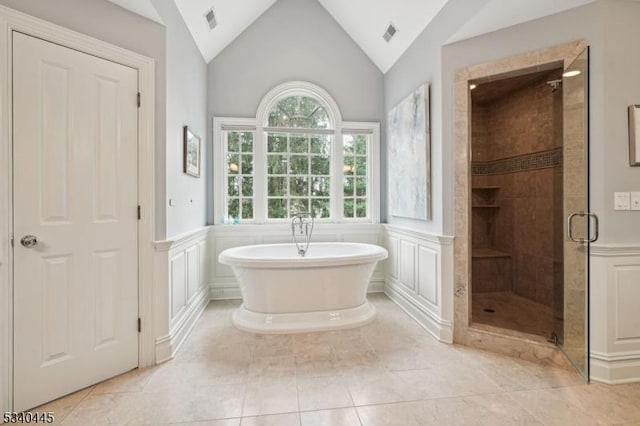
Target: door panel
{"type": "Point", "coordinates": [573, 328]}
{"type": "Point", "coordinates": [75, 189]}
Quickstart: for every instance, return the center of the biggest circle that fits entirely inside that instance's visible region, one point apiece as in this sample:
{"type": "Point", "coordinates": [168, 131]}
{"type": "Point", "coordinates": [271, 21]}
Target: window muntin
{"type": "Point", "coordinates": [356, 173]}
{"type": "Point", "coordinates": [239, 176]}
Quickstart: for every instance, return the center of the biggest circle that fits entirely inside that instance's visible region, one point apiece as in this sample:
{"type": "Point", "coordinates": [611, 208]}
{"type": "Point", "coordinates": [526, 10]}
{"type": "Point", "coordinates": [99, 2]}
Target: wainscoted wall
{"type": "Point", "coordinates": [182, 291]}
{"type": "Point", "coordinates": [615, 313]}
{"type": "Point", "coordinates": [224, 285]}
{"type": "Point", "coordinates": [419, 277]}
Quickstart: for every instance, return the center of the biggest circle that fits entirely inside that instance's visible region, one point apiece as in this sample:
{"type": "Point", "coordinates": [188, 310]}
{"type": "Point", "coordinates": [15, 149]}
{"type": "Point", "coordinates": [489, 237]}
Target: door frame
{"type": "Point", "coordinates": [464, 331]}
{"type": "Point", "coordinates": [11, 20]}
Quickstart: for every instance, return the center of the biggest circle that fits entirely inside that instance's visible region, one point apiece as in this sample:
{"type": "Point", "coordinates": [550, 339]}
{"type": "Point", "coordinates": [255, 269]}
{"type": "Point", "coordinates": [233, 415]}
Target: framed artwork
{"type": "Point", "coordinates": [191, 153]}
{"type": "Point", "coordinates": [409, 156]}
{"type": "Point", "coordinates": [634, 135]}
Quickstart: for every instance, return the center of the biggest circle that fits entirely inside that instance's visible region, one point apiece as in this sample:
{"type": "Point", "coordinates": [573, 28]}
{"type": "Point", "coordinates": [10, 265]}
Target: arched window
{"type": "Point", "coordinates": [296, 156]}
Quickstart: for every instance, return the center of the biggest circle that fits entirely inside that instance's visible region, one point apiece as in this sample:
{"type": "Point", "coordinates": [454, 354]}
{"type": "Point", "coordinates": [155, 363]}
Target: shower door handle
{"type": "Point", "coordinates": [589, 216]}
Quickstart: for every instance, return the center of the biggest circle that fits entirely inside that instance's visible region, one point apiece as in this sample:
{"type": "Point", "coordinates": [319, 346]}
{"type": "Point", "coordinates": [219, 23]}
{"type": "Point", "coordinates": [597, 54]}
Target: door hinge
{"type": "Point", "coordinates": [138, 99]}
{"type": "Point", "coordinates": [11, 241]}
{"type": "Point", "coordinates": [139, 324]}
{"type": "Point", "coordinates": [139, 212]}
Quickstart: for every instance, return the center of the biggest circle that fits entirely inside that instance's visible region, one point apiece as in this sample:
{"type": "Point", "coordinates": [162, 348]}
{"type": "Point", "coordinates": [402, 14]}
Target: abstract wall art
{"type": "Point", "coordinates": [409, 156]}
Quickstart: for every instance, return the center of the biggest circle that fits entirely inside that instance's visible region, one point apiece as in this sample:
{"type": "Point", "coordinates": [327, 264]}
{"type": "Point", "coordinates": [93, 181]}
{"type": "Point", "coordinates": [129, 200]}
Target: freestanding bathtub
{"type": "Point", "coordinates": [283, 292]}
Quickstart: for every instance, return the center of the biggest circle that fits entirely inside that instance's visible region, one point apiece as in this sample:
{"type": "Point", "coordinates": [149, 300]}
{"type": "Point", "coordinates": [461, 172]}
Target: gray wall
{"type": "Point", "coordinates": [607, 25]}
{"type": "Point", "coordinates": [186, 104]}
{"type": "Point", "coordinates": [108, 22]}
{"type": "Point", "coordinates": [422, 62]}
{"type": "Point", "coordinates": [293, 40]}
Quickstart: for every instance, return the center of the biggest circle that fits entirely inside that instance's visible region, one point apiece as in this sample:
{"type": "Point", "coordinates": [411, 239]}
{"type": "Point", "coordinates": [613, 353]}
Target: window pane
{"type": "Point", "coordinates": [361, 166]}
{"type": "Point", "coordinates": [320, 165]}
{"type": "Point", "coordinates": [348, 188]}
{"type": "Point", "coordinates": [348, 207]}
{"type": "Point", "coordinates": [347, 142]}
{"type": "Point", "coordinates": [234, 207]}
{"type": "Point", "coordinates": [299, 186]}
{"type": "Point", "coordinates": [361, 143]}
{"type": "Point", "coordinates": [277, 208]}
{"type": "Point", "coordinates": [247, 186]}
{"type": "Point", "coordinates": [321, 186]}
{"type": "Point", "coordinates": [277, 143]}
{"type": "Point", "coordinates": [299, 165]}
{"type": "Point", "coordinates": [349, 167]}
{"type": "Point", "coordinates": [277, 186]}
{"type": "Point", "coordinates": [246, 141]}
{"type": "Point", "coordinates": [361, 187]}
{"type": "Point", "coordinates": [320, 145]}
{"type": "Point", "coordinates": [299, 111]}
{"type": "Point", "coordinates": [277, 165]}
{"type": "Point", "coordinates": [321, 207]}
{"type": "Point", "coordinates": [233, 144]}
{"type": "Point", "coordinates": [299, 144]}
{"type": "Point", "coordinates": [233, 187]}
{"type": "Point", "coordinates": [299, 205]}
{"type": "Point", "coordinates": [361, 207]}
{"type": "Point", "coordinates": [247, 208]}
{"type": "Point", "coordinates": [247, 164]}
{"type": "Point", "coordinates": [233, 161]}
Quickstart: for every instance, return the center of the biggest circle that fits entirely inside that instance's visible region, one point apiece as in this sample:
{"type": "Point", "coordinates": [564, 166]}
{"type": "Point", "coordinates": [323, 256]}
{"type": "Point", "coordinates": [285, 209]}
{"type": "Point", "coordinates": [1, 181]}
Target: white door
{"type": "Point", "coordinates": [75, 189]}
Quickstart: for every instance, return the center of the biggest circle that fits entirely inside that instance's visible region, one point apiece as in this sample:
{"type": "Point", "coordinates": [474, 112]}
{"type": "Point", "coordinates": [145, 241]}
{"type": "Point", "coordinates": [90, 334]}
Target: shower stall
{"type": "Point", "coordinates": [529, 165]}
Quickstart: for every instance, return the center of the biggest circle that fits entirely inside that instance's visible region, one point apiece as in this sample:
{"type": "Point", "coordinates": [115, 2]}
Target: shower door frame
{"type": "Point", "coordinates": [464, 331]}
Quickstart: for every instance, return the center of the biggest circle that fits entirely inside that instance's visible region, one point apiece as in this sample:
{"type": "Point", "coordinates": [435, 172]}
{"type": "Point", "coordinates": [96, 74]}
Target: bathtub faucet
{"type": "Point", "coordinates": [301, 230]}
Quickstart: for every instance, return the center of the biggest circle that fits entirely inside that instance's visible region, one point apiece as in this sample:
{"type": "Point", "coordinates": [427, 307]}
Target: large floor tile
{"type": "Point", "coordinates": [317, 393]}
{"type": "Point", "coordinates": [271, 396]}
{"type": "Point", "coordinates": [341, 417]}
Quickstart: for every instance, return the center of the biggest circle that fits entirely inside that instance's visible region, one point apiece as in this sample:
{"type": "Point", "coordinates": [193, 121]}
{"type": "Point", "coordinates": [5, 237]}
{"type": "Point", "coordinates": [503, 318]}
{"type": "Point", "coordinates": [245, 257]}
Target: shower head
{"type": "Point", "coordinates": [555, 85]}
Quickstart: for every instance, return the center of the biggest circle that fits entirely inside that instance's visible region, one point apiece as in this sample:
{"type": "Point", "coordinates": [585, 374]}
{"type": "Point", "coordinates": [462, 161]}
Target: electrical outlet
{"type": "Point", "coordinates": [635, 201]}
{"type": "Point", "coordinates": [622, 201]}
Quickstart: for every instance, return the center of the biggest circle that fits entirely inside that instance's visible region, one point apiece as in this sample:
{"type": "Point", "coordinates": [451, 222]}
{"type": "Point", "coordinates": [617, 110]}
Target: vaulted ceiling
{"type": "Point", "coordinates": [364, 20]}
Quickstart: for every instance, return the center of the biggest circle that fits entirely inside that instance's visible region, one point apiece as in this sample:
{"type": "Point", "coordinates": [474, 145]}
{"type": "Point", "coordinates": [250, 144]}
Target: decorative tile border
{"type": "Point", "coordinates": [537, 160]}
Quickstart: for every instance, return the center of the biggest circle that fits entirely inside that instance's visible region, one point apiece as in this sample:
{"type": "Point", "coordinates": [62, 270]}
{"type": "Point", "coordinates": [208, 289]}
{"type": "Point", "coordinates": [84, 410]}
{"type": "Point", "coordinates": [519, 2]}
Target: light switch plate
{"type": "Point", "coordinates": [635, 201]}
{"type": "Point", "coordinates": [622, 201]}
{"type": "Point", "coordinates": [172, 202]}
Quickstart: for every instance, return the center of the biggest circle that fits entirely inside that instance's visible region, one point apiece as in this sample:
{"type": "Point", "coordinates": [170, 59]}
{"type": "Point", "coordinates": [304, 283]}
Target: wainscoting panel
{"type": "Point", "coordinates": [182, 292]}
{"type": "Point", "coordinates": [615, 314]}
{"type": "Point", "coordinates": [415, 279]}
{"type": "Point", "coordinates": [408, 264]}
{"type": "Point", "coordinates": [428, 275]}
{"type": "Point", "coordinates": [221, 237]}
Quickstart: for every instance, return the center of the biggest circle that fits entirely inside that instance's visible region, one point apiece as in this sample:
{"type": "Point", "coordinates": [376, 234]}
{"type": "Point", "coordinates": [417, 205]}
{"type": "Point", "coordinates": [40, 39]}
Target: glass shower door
{"type": "Point", "coordinates": [580, 227]}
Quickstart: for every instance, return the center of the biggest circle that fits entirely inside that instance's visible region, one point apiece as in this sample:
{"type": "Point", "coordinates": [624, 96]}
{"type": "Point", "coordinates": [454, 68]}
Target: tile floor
{"type": "Point", "coordinates": [512, 312]}
{"type": "Point", "coordinates": [390, 372]}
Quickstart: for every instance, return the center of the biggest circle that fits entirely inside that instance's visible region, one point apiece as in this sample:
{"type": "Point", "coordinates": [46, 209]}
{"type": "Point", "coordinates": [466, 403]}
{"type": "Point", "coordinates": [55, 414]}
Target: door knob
{"type": "Point", "coordinates": [29, 241]}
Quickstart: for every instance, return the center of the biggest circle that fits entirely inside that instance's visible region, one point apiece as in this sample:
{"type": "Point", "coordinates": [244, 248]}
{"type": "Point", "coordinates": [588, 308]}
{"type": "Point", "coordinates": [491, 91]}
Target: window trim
{"type": "Point", "coordinates": [259, 127]}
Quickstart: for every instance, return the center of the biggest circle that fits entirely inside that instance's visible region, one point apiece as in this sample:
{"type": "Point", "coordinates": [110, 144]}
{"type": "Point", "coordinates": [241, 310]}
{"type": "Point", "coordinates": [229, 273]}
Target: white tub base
{"type": "Point", "coordinates": [303, 322]}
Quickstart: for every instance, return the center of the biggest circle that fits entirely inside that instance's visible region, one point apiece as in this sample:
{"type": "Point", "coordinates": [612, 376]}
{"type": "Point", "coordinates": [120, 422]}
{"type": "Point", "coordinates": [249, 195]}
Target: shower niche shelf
{"type": "Point", "coordinates": [488, 253]}
{"type": "Point", "coordinates": [484, 197]}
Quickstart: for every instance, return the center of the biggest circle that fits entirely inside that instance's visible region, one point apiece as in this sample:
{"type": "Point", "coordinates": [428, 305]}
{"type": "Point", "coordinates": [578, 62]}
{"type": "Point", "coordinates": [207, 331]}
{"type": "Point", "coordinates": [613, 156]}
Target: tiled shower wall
{"type": "Point", "coordinates": [517, 146]}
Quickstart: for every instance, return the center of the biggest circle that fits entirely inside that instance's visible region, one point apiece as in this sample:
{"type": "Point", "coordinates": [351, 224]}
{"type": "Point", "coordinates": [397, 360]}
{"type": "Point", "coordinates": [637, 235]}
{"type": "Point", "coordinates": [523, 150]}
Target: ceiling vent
{"type": "Point", "coordinates": [389, 33]}
{"type": "Point", "coordinates": [211, 19]}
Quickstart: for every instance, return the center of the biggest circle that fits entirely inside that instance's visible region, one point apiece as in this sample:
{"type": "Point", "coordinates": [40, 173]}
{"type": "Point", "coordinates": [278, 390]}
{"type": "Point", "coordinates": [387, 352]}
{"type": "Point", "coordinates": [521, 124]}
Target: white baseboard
{"type": "Point", "coordinates": [439, 328]}
{"type": "Point", "coordinates": [167, 346]}
{"type": "Point", "coordinates": [615, 369]}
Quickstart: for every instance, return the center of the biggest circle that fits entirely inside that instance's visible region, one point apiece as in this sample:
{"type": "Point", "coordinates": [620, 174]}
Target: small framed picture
{"type": "Point", "coordinates": [191, 153]}
{"type": "Point", "coordinates": [634, 135]}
